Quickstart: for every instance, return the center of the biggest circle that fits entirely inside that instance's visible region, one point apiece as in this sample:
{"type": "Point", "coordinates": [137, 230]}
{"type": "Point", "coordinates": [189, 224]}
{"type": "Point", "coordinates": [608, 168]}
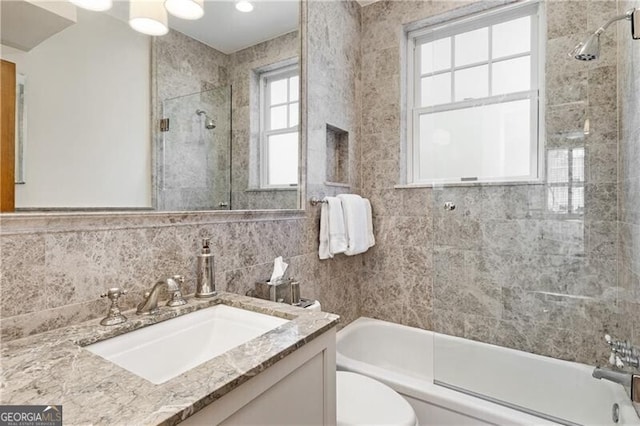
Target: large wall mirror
{"type": "Point", "coordinates": [205, 117]}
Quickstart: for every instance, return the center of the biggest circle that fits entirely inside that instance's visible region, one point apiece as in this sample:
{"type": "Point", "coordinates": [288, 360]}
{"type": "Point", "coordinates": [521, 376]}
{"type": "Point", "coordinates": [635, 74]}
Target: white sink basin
{"type": "Point", "coordinates": [165, 350]}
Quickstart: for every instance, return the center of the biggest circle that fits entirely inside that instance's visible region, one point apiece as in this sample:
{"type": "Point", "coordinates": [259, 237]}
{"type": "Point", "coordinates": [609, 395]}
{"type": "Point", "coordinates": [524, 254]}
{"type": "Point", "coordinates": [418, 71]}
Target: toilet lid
{"type": "Point", "coordinates": [362, 400]}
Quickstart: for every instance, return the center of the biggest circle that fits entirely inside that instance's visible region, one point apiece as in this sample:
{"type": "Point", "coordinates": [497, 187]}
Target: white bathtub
{"type": "Point", "coordinates": [404, 358]}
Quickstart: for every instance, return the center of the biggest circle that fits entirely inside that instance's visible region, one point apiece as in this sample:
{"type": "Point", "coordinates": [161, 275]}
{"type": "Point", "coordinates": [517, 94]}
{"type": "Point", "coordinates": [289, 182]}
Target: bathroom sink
{"type": "Point", "coordinates": [165, 350]}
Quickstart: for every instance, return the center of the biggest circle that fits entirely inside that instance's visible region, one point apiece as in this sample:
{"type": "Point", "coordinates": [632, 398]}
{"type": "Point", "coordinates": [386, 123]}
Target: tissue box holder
{"type": "Point", "coordinates": [278, 292]}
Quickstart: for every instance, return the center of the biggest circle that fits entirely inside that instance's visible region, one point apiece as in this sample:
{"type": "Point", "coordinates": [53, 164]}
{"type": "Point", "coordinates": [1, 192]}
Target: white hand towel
{"type": "Point", "coordinates": [324, 251]}
{"type": "Point", "coordinates": [337, 226]}
{"type": "Point", "coordinates": [355, 217]}
{"type": "Point", "coordinates": [372, 238]}
{"type": "Point", "coordinates": [333, 237]}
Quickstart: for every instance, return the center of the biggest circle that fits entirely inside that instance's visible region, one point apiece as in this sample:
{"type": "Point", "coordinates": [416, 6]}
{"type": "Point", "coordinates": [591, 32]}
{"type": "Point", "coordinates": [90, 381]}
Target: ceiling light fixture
{"type": "Point", "coordinates": [244, 6]}
{"type": "Point", "coordinates": [185, 9]}
{"type": "Point", "coordinates": [148, 17]}
{"type": "Point", "coordinates": [95, 5]}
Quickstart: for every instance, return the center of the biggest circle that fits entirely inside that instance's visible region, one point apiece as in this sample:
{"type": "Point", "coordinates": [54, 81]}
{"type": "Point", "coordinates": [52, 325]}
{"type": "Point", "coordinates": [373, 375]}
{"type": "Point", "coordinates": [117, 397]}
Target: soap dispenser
{"type": "Point", "coordinates": [205, 282]}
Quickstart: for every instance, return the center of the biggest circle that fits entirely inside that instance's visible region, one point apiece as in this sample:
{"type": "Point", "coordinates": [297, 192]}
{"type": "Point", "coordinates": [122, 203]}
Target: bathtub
{"type": "Point", "coordinates": [478, 383]}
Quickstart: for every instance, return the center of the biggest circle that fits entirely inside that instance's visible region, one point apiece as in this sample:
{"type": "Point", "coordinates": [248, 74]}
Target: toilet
{"type": "Point", "coordinates": [362, 400]}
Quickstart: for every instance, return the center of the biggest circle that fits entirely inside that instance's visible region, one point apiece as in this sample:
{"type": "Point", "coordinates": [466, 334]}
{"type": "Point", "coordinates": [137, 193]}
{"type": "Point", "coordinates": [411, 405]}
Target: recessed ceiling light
{"type": "Point", "coordinates": [185, 9]}
{"type": "Point", "coordinates": [95, 5]}
{"type": "Point", "coordinates": [244, 6]}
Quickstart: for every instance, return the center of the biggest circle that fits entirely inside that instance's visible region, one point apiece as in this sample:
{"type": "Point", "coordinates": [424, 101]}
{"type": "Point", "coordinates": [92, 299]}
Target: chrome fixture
{"type": "Point", "coordinates": [208, 122]}
{"type": "Point", "coordinates": [623, 353]}
{"type": "Point", "coordinates": [114, 316]}
{"type": "Point", "coordinates": [149, 305]}
{"type": "Point", "coordinates": [618, 377]}
{"type": "Point", "coordinates": [589, 49]}
{"type": "Point", "coordinates": [205, 280]}
{"type": "Point", "coordinates": [628, 380]}
{"type": "Point", "coordinates": [314, 201]}
{"type": "Point", "coordinates": [449, 206]}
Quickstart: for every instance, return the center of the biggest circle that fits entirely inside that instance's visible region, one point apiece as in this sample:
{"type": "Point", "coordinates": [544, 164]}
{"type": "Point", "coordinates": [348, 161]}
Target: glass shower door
{"type": "Point", "coordinates": [519, 265]}
{"type": "Point", "coordinates": [194, 167]}
{"type": "Point", "coordinates": [518, 284]}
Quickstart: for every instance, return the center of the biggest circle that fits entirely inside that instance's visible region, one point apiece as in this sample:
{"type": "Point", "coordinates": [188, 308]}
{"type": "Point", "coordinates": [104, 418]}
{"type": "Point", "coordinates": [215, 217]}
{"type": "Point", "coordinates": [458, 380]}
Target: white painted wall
{"type": "Point", "coordinates": [88, 117]}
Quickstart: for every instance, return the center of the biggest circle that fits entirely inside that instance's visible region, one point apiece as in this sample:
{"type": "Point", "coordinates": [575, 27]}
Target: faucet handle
{"type": "Point", "coordinates": [114, 293]}
{"type": "Point", "coordinates": [176, 295]}
{"type": "Point", "coordinates": [613, 358]}
{"type": "Point", "coordinates": [114, 316]}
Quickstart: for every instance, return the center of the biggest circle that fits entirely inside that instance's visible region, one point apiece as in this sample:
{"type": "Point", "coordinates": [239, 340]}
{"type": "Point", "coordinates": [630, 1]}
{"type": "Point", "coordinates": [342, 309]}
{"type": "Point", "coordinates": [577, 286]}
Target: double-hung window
{"type": "Point", "coordinates": [473, 99]}
{"type": "Point", "coordinates": [279, 91]}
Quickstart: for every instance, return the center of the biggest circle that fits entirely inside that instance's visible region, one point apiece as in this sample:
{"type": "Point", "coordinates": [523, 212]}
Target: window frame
{"type": "Point", "coordinates": [416, 37]}
{"type": "Point", "coordinates": [286, 71]}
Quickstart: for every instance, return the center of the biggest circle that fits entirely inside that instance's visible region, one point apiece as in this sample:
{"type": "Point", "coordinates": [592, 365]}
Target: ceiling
{"type": "Point", "coordinates": [228, 30]}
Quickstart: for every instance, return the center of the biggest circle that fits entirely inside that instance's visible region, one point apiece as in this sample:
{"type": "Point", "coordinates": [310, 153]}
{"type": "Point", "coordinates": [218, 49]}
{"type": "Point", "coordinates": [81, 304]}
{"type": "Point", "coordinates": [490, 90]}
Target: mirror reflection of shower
{"type": "Point", "coordinates": [208, 122]}
{"type": "Point", "coordinates": [194, 157]}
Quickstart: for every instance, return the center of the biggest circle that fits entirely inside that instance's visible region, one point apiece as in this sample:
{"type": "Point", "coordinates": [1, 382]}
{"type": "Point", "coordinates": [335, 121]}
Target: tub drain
{"type": "Point", "coordinates": [615, 413]}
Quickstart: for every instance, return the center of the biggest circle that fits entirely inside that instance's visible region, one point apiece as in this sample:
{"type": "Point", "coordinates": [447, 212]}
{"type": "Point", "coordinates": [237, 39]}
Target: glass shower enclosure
{"type": "Point", "coordinates": [194, 164]}
{"type": "Point", "coordinates": [523, 173]}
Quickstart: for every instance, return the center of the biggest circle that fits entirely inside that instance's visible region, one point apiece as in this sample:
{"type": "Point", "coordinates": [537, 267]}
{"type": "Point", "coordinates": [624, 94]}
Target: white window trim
{"type": "Point", "coordinates": [475, 21]}
{"type": "Point", "coordinates": [265, 104]}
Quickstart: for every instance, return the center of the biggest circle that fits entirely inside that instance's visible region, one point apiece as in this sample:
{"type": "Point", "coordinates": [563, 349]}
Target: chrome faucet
{"type": "Point", "coordinates": [628, 380]}
{"type": "Point", "coordinates": [619, 377]}
{"type": "Point", "coordinates": [149, 305]}
{"type": "Point", "coordinates": [623, 353]}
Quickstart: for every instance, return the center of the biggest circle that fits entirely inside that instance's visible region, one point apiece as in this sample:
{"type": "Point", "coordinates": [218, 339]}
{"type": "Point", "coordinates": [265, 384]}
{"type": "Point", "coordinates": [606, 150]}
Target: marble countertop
{"type": "Point", "coordinates": [53, 368]}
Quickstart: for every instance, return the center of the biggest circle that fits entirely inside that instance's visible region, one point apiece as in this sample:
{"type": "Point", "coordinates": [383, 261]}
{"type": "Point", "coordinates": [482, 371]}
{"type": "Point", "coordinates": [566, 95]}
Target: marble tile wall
{"type": "Point", "coordinates": [54, 268]}
{"type": "Point", "coordinates": [51, 277]}
{"type": "Point", "coordinates": [334, 91]}
{"type": "Point", "coordinates": [333, 97]}
{"type": "Point", "coordinates": [504, 267]}
{"type": "Point", "coordinates": [629, 175]}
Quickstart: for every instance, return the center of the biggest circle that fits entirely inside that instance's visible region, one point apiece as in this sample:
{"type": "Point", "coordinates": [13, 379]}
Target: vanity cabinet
{"type": "Point", "coordinates": [300, 389]}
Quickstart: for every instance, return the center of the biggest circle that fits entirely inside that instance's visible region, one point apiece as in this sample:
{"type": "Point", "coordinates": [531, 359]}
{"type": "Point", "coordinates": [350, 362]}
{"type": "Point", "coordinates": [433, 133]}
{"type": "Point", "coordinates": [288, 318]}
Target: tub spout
{"type": "Point", "coordinates": [619, 377]}
{"type": "Point", "coordinates": [628, 380]}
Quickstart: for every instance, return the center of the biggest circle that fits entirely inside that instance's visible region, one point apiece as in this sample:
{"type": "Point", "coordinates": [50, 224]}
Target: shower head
{"type": "Point", "coordinates": [208, 122]}
{"type": "Point", "coordinates": [589, 49]}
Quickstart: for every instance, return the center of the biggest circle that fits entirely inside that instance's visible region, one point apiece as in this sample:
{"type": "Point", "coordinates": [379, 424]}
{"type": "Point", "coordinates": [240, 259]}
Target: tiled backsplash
{"type": "Point", "coordinates": [53, 271]}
